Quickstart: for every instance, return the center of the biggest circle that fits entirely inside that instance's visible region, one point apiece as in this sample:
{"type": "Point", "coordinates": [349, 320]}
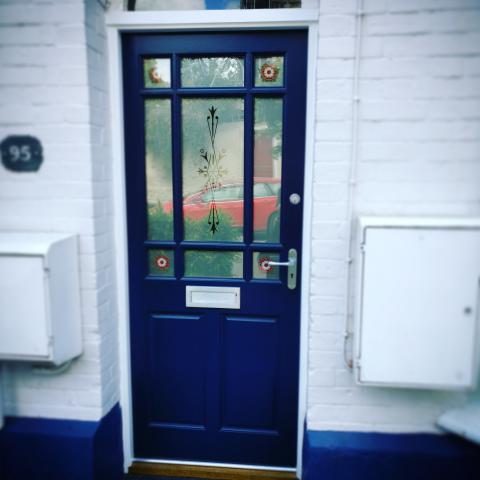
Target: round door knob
{"type": "Point", "coordinates": [294, 198]}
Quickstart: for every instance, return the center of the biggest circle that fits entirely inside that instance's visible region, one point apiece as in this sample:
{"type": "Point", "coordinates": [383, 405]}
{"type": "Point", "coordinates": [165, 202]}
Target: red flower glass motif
{"type": "Point", "coordinates": [162, 262]}
{"type": "Point", "coordinates": [263, 264]}
{"type": "Point", "coordinates": [269, 72]}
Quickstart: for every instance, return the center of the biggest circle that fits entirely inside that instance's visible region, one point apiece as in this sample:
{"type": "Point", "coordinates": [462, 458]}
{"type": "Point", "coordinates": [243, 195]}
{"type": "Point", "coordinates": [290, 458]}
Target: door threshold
{"type": "Point", "coordinates": [152, 467]}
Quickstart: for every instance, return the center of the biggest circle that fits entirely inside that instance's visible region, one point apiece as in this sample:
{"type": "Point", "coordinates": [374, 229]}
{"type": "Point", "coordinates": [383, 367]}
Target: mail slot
{"type": "Point", "coordinates": [213, 297]}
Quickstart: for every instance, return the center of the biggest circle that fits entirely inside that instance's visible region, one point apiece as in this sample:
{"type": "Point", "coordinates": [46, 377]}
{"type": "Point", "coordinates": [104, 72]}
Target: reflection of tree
{"type": "Point", "coordinates": [212, 72]}
{"type": "Point", "coordinates": [204, 263]}
{"type": "Point", "coordinates": [268, 122]}
{"type": "Point", "coordinates": [212, 264]}
{"type": "Point", "coordinates": [158, 145]}
{"type": "Point", "coordinates": [160, 224]}
{"type": "Point", "coordinates": [199, 230]}
{"type": "Point", "coordinates": [158, 131]}
{"type": "Point", "coordinates": [155, 73]}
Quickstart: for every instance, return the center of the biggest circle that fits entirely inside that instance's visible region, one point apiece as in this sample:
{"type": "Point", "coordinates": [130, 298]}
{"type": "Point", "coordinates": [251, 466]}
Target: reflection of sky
{"type": "Point", "coordinates": [211, 4]}
{"type": "Point", "coordinates": [187, 4]}
{"type": "Point", "coordinates": [221, 4]}
{"type": "Point", "coordinates": [162, 69]}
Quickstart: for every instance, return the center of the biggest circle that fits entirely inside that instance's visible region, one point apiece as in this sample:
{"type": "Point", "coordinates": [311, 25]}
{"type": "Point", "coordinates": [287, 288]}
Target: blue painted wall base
{"type": "Point", "coordinates": [50, 449]}
{"type": "Point", "coordinates": [331, 455]}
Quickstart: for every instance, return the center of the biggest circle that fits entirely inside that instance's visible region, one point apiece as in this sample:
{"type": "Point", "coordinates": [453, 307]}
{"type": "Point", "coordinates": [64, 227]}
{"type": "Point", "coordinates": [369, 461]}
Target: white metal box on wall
{"type": "Point", "coordinates": [417, 302]}
{"type": "Point", "coordinates": [39, 297]}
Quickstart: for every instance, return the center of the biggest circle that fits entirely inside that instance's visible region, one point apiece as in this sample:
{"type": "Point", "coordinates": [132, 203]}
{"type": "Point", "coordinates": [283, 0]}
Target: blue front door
{"type": "Point", "coordinates": [214, 143]}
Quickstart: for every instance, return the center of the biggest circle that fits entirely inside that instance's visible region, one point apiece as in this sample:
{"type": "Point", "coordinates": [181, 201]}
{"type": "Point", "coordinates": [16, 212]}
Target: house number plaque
{"type": "Point", "coordinates": [21, 153]}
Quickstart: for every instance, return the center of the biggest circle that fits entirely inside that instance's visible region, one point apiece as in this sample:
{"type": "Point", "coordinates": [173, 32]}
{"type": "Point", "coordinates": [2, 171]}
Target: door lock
{"type": "Point", "coordinates": [291, 264]}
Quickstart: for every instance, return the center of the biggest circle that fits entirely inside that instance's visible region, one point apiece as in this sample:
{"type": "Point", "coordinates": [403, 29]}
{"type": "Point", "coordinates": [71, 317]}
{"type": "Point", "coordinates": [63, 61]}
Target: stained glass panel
{"type": "Point", "coordinates": [161, 263]}
{"type": "Point", "coordinates": [269, 72]}
{"type": "Point", "coordinates": [261, 268]}
{"type": "Point", "coordinates": [156, 73]}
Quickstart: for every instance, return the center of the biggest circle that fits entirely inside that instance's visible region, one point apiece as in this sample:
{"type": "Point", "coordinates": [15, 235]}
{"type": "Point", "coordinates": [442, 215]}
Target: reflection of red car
{"type": "Point", "coordinates": [229, 199]}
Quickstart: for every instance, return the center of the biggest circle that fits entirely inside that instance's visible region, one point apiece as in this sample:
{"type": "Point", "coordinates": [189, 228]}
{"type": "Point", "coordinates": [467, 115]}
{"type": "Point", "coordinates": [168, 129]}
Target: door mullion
{"type": "Point", "coordinates": [248, 169]}
{"type": "Point", "coordinates": [177, 171]}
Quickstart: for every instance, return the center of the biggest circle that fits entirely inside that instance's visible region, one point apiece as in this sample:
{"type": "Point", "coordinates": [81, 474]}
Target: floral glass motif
{"type": "Point", "coordinates": [156, 73]}
{"type": "Point", "coordinates": [264, 264]}
{"type": "Point", "coordinates": [161, 263]}
{"type": "Point", "coordinates": [212, 170]}
{"type": "Point", "coordinates": [269, 71]}
{"type": "Point", "coordinates": [261, 268]}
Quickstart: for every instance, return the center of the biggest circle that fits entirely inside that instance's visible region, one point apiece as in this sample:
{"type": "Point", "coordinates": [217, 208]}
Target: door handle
{"type": "Point", "coordinates": [291, 264]}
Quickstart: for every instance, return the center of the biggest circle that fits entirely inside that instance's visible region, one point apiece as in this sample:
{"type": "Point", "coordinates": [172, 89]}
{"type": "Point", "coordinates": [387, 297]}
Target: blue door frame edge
{"type": "Point", "coordinates": [217, 429]}
{"type": "Point", "coordinates": [60, 449]}
{"type": "Point", "coordinates": [380, 456]}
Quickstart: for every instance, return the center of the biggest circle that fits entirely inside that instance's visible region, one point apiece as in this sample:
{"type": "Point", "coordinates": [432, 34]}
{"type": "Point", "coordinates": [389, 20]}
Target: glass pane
{"type": "Point", "coordinates": [212, 169]}
{"type": "Point", "coordinates": [158, 164]}
{"type": "Point", "coordinates": [269, 72]}
{"type": "Point", "coordinates": [161, 263]}
{"type": "Point", "coordinates": [208, 263]}
{"type": "Point", "coordinates": [267, 3]}
{"type": "Point", "coordinates": [156, 73]}
{"type": "Point", "coordinates": [212, 72]}
{"type": "Point", "coordinates": [212, 4]}
{"type": "Point", "coordinates": [261, 269]}
{"type": "Point", "coordinates": [267, 169]}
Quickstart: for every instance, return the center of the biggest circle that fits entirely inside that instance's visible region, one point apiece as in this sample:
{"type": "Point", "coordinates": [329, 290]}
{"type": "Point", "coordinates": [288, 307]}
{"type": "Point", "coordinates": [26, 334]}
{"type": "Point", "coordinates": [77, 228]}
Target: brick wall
{"type": "Point", "coordinates": [418, 154]}
{"type": "Point", "coordinates": [53, 86]}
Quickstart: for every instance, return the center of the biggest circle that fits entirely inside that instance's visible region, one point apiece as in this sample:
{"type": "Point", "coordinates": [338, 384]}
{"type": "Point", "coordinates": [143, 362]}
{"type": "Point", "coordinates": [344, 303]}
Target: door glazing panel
{"type": "Point", "coordinates": [158, 168]}
{"type": "Point", "coordinates": [269, 71]}
{"type": "Point", "coordinates": [268, 130]}
{"type": "Point", "coordinates": [161, 262]}
{"type": "Point", "coordinates": [212, 168]}
{"type": "Point", "coordinates": [156, 73]}
{"type": "Point", "coordinates": [213, 264]}
{"type": "Point", "coordinates": [212, 72]}
{"type": "Point", "coordinates": [262, 269]}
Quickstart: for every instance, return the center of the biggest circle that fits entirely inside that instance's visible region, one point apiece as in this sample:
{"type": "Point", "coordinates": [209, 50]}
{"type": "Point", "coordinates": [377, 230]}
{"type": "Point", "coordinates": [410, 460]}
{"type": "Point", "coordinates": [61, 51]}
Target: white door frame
{"type": "Point", "coordinates": [118, 22]}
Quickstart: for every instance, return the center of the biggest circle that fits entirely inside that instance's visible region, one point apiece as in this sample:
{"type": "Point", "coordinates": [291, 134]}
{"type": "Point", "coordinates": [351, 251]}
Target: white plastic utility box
{"type": "Point", "coordinates": [39, 297]}
{"type": "Point", "coordinates": [417, 303]}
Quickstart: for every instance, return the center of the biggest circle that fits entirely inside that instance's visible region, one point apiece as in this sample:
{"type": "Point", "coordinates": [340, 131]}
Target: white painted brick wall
{"type": "Point", "coordinates": [419, 154]}
{"type": "Point", "coordinates": [53, 86]}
